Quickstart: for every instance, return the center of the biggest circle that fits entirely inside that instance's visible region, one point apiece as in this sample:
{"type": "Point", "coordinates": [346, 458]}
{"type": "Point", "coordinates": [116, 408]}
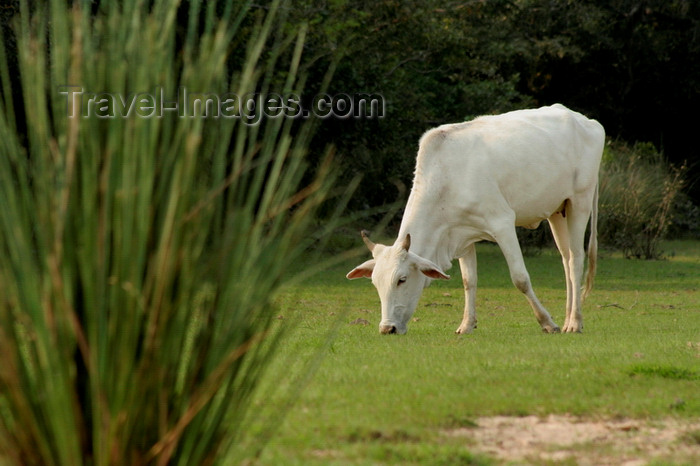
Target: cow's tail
{"type": "Point", "coordinates": [592, 248]}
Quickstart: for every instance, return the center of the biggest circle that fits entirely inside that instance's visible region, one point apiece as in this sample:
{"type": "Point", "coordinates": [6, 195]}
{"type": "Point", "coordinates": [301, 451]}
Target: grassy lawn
{"type": "Point", "coordinates": [390, 399]}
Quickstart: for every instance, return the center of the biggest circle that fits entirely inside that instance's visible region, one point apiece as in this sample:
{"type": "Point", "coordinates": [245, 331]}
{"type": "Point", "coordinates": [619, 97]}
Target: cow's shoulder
{"type": "Point", "coordinates": [433, 139]}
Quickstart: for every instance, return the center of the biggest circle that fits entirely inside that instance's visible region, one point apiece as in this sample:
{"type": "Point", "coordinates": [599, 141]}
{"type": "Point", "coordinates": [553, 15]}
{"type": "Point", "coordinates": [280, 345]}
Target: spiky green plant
{"type": "Point", "coordinates": [139, 255]}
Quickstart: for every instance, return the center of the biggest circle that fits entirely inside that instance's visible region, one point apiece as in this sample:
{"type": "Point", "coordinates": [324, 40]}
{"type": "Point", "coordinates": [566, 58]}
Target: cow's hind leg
{"type": "Point", "coordinates": [560, 231]}
{"type": "Point", "coordinates": [507, 240]}
{"type": "Point", "coordinates": [467, 265]}
{"type": "Point", "coordinates": [577, 220]}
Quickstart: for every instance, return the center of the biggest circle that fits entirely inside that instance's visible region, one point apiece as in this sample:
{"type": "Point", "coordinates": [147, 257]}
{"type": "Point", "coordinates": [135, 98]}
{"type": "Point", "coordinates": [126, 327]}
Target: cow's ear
{"type": "Point", "coordinates": [363, 270]}
{"type": "Point", "coordinates": [431, 270]}
{"type": "Point", "coordinates": [434, 273]}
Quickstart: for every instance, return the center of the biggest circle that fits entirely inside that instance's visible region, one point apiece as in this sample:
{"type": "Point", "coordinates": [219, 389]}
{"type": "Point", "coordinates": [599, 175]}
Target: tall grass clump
{"type": "Point", "coordinates": [638, 191]}
{"type": "Point", "coordinates": [140, 255]}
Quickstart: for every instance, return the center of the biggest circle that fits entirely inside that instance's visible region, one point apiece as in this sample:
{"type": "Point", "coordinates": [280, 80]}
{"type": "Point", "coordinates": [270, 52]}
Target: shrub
{"type": "Point", "coordinates": [638, 190]}
{"type": "Point", "coordinates": [140, 257]}
{"type": "Point", "coordinates": [640, 202]}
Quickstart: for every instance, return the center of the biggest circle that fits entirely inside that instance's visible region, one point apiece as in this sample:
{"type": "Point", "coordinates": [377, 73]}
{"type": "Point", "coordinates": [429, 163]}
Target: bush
{"type": "Point", "coordinates": [638, 191]}
{"type": "Point", "coordinates": [640, 203]}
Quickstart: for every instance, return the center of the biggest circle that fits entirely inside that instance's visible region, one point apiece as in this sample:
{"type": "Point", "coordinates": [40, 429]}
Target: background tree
{"type": "Point", "coordinates": [628, 63]}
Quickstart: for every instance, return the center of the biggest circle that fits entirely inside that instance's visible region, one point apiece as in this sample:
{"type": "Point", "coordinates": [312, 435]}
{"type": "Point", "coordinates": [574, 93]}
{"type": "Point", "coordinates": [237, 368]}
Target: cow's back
{"type": "Point", "coordinates": [526, 161]}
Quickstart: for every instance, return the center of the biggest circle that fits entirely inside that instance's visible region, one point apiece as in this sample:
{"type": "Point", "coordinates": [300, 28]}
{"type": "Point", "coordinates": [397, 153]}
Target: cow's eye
{"type": "Point", "coordinates": [401, 281]}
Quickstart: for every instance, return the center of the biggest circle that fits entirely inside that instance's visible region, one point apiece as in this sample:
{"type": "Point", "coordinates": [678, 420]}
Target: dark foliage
{"type": "Point", "coordinates": [628, 63]}
{"type": "Point", "coordinates": [631, 64]}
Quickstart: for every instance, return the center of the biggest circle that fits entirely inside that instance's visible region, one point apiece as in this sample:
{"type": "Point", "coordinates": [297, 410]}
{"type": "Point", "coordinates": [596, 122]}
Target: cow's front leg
{"type": "Point", "coordinates": [467, 265]}
{"type": "Point", "coordinates": [507, 239]}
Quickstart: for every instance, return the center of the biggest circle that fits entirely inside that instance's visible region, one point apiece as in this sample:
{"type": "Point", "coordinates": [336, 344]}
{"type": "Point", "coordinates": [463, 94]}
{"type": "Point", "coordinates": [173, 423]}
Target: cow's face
{"type": "Point", "coordinates": [399, 276]}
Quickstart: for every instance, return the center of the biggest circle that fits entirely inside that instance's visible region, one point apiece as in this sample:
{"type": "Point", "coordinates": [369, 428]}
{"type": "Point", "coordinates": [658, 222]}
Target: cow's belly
{"type": "Point", "coordinates": [531, 215]}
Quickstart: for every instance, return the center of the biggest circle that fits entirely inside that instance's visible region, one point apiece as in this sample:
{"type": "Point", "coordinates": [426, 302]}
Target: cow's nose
{"type": "Point", "coordinates": [386, 329]}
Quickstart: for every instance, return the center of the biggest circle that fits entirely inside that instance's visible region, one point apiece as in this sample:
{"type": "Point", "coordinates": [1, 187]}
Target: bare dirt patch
{"type": "Point", "coordinates": [573, 440]}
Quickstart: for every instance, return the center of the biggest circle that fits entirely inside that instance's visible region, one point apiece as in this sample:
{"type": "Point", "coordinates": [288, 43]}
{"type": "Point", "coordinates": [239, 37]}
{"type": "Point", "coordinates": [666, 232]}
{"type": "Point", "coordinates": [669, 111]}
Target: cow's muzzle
{"type": "Point", "coordinates": [387, 329]}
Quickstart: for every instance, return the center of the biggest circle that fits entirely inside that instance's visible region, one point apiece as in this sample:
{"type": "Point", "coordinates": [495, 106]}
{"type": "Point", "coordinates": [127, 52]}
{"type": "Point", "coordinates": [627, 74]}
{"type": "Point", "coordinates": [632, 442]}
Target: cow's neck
{"type": "Point", "coordinates": [430, 235]}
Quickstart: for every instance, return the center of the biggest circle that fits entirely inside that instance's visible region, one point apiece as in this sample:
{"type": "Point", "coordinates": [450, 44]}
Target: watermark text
{"type": "Point", "coordinates": [250, 108]}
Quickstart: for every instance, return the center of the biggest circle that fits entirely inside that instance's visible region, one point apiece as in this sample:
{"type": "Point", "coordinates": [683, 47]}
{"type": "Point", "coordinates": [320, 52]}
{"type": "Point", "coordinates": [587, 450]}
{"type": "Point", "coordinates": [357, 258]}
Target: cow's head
{"type": "Point", "coordinates": [399, 276]}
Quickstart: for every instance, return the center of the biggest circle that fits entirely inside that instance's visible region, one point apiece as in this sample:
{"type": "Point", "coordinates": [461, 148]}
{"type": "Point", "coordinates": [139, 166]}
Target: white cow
{"type": "Point", "coordinates": [478, 180]}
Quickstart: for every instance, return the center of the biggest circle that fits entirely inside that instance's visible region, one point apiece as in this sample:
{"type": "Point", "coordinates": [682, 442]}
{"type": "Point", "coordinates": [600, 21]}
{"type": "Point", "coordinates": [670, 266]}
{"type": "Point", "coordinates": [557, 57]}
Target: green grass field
{"type": "Point", "coordinates": [389, 399]}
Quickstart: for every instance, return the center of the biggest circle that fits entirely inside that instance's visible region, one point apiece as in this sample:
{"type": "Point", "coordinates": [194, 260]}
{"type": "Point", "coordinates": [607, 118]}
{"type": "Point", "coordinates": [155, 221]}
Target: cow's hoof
{"type": "Point", "coordinates": [573, 327]}
{"type": "Point", "coordinates": [465, 327]}
{"type": "Point", "coordinates": [464, 330]}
